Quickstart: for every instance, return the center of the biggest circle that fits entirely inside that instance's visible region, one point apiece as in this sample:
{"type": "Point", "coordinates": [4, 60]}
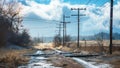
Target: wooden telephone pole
{"type": "Point", "coordinates": [111, 25]}
{"type": "Point", "coordinates": [64, 28]}
{"type": "Point", "coordinates": [78, 15]}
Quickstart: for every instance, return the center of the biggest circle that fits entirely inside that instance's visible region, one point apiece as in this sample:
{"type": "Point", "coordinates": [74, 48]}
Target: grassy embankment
{"type": "Point", "coordinates": [13, 58]}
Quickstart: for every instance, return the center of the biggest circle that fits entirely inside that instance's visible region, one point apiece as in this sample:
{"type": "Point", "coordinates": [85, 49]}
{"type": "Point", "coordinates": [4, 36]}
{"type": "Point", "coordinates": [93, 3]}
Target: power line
{"type": "Point", "coordinates": [88, 2]}
{"type": "Point", "coordinates": [96, 1]}
{"type": "Point", "coordinates": [41, 20]}
{"type": "Point", "coordinates": [39, 27]}
{"type": "Point", "coordinates": [38, 19]}
{"type": "Point", "coordinates": [100, 1]}
{"type": "Point", "coordinates": [48, 22]}
{"type": "Point", "coordinates": [103, 3]}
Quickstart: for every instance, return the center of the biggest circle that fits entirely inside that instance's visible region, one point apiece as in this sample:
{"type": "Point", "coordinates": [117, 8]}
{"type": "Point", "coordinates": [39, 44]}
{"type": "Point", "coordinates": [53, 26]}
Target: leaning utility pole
{"type": "Point", "coordinates": [111, 25]}
{"type": "Point", "coordinates": [78, 15]}
{"type": "Point", "coordinates": [64, 28]}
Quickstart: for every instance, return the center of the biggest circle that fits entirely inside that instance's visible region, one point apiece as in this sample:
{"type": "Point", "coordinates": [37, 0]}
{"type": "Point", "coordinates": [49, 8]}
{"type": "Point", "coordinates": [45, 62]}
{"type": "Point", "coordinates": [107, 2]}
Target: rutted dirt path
{"type": "Point", "coordinates": [53, 61]}
{"type": "Point", "coordinates": [56, 60]}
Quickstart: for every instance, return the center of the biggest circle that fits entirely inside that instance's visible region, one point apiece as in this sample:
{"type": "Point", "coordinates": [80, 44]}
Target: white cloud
{"type": "Point", "coordinates": [52, 11]}
{"type": "Point", "coordinates": [101, 22]}
{"type": "Point", "coordinates": [97, 16]}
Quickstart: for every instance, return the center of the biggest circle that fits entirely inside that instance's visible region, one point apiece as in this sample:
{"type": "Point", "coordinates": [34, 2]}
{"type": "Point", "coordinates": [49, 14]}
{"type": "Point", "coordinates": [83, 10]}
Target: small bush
{"type": "Point", "coordinates": [57, 40]}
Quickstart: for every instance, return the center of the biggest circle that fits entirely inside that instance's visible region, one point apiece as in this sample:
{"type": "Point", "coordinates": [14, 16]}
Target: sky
{"type": "Point", "coordinates": [42, 17]}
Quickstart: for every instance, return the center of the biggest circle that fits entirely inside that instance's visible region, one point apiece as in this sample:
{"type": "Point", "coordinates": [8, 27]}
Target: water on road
{"type": "Point", "coordinates": [38, 62]}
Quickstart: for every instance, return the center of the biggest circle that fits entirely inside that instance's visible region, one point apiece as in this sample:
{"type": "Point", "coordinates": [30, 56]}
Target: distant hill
{"type": "Point", "coordinates": [104, 35]}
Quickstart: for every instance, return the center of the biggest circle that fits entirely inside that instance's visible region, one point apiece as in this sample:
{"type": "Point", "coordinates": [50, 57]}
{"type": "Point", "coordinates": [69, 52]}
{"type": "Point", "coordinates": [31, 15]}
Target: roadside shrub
{"type": "Point", "coordinates": [57, 40]}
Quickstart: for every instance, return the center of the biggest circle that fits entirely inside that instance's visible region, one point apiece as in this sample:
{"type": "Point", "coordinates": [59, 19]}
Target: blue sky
{"type": "Point", "coordinates": [41, 17]}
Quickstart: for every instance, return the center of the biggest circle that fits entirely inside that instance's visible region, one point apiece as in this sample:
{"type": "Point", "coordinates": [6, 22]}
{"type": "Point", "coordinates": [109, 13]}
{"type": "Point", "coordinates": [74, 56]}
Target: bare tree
{"type": "Point", "coordinates": [11, 12]}
{"type": "Point", "coordinates": [85, 43]}
{"type": "Point", "coordinates": [57, 40]}
{"type": "Point", "coordinates": [10, 20]}
{"type": "Point", "coordinates": [67, 40]}
{"type": "Point", "coordinates": [100, 42]}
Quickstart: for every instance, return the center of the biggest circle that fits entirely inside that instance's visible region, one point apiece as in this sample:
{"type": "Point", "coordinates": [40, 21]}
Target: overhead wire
{"type": "Point", "coordinates": [39, 19]}
{"type": "Point", "coordinates": [104, 3]}
{"type": "Point", "coordinates": [88, 2]}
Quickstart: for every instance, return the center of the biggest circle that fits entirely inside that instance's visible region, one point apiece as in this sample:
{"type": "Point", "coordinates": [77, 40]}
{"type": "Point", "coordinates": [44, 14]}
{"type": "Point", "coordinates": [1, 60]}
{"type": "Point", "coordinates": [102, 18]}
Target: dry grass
{"type": "Point", "coordinates": [92, 46]}
{"type": "Point", "coordinates": [13, 58]}
{"type": "Point", "coordinates": [44, 46]}
{"type": "Point", "coordinates": [115, 63]}
{"type": "Point", "coordinates": [113, 59]}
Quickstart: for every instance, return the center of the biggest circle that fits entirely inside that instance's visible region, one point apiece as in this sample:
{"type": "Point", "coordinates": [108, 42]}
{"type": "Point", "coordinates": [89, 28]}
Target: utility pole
{"type": "Point", "coordinates": [38, 40]}
{"type": "Point", "coordinates": [64, 28]}
{"type": "Point", "coordinates": [59, 39]}
{"type": "Point", "coordinates": [59, 33]}
{"type": "Point", "coordinates": [42, 39]}
{"type": "Point", "coordinates": [60, 30]}
{"type": "Point", "coordinates": [111, 25]}
{"type": "Point", "coordinates": [78, 15]}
